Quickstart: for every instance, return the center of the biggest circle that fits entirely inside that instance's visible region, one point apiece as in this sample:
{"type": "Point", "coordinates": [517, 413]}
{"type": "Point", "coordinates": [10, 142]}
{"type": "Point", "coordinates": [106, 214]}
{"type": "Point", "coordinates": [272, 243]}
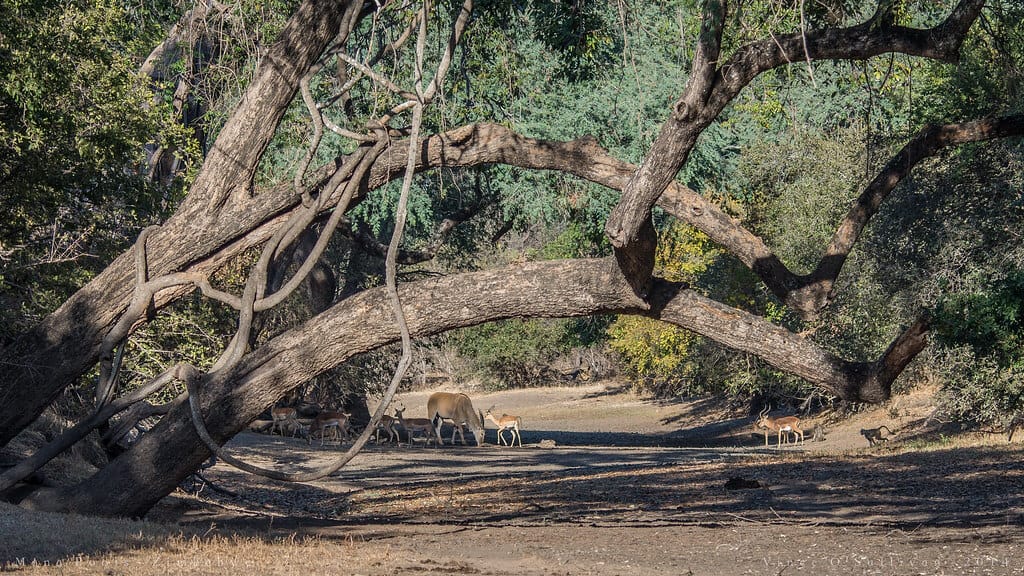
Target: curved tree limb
{"type": "Point", "coordinates": [30, 358]}
{"type": "Point", "coordinates": [814, 291]}
{"type": "Point", "coordinates": [258, 278]}
{"type": "Point", "coordinates": [71, 436]}
{"type": "Point", "coordinates": [131, 418]}
{"type": "Point", "coordinates": [231, 399]}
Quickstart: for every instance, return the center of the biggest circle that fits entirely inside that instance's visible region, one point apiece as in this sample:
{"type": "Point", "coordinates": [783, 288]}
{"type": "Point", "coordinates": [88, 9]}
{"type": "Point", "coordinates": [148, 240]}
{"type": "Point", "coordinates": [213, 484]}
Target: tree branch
{"type": "Point", "coordinates": [628, 224]}
{"type": "Point", "coordinates": [813, 292]}
{"type": "Point", "coordinates": [233, 398]}
{"type": "Point", "coordinates": [36, 378]}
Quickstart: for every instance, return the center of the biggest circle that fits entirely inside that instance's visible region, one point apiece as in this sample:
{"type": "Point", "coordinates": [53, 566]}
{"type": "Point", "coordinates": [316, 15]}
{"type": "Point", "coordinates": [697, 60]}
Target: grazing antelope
{"type": "Point", "coordinates": [506, 422]}
{"type": "Point", "coordinates": [282, 416]}
{"type": "Point", "coordinates": [327, 419]}
{"type": "Point", "coordinates": [458, 408]}
{"type": "Point", "coordinates": [414, 425]}
{"type": "Point", "coordinates": [387, 424]}
{"type": "Point", "coordinates": [782, 424]}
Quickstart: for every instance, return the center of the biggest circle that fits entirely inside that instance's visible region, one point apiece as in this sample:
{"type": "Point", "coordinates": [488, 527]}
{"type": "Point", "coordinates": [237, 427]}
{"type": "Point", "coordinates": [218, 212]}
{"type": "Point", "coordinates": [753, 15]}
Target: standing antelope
{"type": "Point", "coordinates": [458, 408]}
{"type": "Point", "coordinates": [506, 422]}
{"type": "Point", "coordinates": [282, 416]}
{"type": "Point", "coordinates": [327, 419]}
{"type": "Point", "coordinates": [414, 425]}
{"type": "Point", "coordinates": [782, 424]}
{"type": "Point", "coordinates": [387, 424]}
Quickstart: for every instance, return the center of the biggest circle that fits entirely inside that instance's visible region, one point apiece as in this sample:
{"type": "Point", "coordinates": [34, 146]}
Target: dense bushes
{"type": "Point", "coordinates": [980, 335]}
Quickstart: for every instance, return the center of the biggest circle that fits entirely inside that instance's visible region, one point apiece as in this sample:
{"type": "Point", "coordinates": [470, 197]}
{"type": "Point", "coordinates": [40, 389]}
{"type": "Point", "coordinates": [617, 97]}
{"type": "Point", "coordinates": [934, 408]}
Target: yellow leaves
{"type": "Point", "coordinates": [765, 109]}
{"type": "Point", "coordinates": [653, 349]}
{"type": "Point", "coordinates": [683, 253]}
{"type": "Point", "coordinates": [650, 347]}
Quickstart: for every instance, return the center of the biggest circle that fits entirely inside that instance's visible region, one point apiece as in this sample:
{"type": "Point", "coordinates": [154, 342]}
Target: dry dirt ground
{"type": "Point", "coordinates": [629, 486]}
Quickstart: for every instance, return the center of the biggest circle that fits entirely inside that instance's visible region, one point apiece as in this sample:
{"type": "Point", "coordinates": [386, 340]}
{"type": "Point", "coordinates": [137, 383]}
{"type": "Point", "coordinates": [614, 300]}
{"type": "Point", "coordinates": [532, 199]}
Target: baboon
{"type": "Point", "coordinates": [1017, 421]}
{"type": "Point", "coordinates": [874, 435]}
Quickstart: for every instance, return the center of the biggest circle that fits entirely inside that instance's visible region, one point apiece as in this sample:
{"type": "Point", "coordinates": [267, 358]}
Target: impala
{"type": "Point", "coordinates": [414, 425]}
{"type": "Point", "coordinates": [783, 424]}
{"type": "Point", "coordinates": [282, 416]}
{"type": "Point", "coordinates": [387, 424]}
{"type": "Point", "coordinates": [328, 419]}
{"type": "Point", "coordinates": [506, 422]}
{"type": "Point", "coordinates": [458, 408]}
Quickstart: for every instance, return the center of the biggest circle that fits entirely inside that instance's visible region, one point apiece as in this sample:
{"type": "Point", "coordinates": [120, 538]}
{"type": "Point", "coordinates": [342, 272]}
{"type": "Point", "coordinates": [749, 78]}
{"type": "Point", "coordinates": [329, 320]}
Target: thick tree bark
{"type": "Point", "coordinates": [136, 480]}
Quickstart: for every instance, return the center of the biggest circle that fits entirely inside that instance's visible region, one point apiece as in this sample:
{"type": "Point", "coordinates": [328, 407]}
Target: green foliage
{"type": "Point", "coordinates": [580, 31]}
{"type": "Point", "coordinates": [797, 205]}
{"type": "Point", "coordinates": [980, 335]}
{"type": "Point", "coordinates": [656, 355]}
{"type": "Point", "coordinates": [976, 388]}
{"type": "Point", "coordinates": [513, 353]}
{"type": "Point", "coordinates": [74, 120]}
{"type": "Point", "coordinates": [990, 321]}
{"type": "Point", "coordinates": [987, 80]}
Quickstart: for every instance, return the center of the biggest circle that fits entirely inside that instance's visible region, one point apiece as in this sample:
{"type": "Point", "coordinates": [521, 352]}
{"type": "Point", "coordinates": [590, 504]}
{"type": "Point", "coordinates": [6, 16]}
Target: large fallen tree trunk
{"type": "Point", "coordinates": [153, 467]}
{"type": "Point", "coordinates": [66, 344]}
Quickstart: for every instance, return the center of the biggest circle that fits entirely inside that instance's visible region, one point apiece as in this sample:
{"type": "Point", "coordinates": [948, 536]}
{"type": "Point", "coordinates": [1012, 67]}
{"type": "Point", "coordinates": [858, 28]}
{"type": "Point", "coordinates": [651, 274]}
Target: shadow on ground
{"type": "Point", "coordinates": [623, 486]}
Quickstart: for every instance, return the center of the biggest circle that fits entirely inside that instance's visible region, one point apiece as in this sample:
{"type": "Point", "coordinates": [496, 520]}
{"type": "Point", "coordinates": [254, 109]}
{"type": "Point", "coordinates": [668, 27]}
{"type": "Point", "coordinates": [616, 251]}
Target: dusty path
{"type": "Point", "coordinates": [621, 493]}
{"type": "Point", "coordinates": [630, 486]}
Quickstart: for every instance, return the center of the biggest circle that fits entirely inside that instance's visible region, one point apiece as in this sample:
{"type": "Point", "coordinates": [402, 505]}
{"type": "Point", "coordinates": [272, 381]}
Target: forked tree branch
{"type": "Point", "coordinates": [628, 226]}
{"type": "Point", "coordinates": [811, 293]}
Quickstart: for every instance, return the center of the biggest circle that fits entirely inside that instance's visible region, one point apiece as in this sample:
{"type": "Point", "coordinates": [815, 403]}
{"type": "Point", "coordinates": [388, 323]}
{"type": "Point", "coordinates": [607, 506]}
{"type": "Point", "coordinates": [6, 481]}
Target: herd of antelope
{"type": "Point", "coordinates": [451, 407]}
{"type": "Point", "coordinates": [457, 409]}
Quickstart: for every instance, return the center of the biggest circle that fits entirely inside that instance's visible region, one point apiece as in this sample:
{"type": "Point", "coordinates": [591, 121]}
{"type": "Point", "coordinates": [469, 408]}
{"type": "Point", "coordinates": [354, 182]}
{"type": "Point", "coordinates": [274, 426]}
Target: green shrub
{"type": "Point", "coordinates": [979, 336]}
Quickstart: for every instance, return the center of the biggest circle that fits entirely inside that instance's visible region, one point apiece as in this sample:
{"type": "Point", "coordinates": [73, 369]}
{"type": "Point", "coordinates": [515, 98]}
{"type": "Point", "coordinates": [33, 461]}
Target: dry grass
{"type": "Point", "coordinates": [44, 543]}
{"type": "Point", "coordinates": [218, 555]}
{"type": "Point", "coordinates": [45, 538]}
